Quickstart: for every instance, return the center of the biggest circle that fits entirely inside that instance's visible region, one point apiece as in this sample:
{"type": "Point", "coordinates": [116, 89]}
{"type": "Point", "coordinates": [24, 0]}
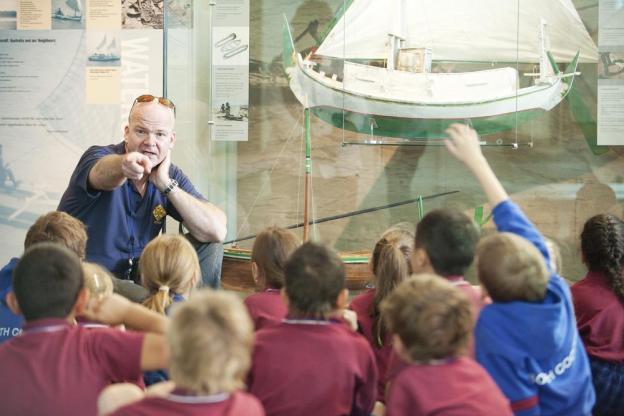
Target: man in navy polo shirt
{"type": "Point", "coordinates": [123, 192]}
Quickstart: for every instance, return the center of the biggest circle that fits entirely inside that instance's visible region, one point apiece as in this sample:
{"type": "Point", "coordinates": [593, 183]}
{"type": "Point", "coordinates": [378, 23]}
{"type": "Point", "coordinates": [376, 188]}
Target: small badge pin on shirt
{"type": "Point", "coordinates": [159, 214]}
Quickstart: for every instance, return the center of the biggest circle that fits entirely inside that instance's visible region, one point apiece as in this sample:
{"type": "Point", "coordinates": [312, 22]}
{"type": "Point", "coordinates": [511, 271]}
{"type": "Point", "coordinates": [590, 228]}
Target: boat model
{"type": "Point", "coordinates": [74, 5]}
{"type": "Point", "coordinates": [106, 51]}
{"type": "Point", "coordinates": [385, 48]}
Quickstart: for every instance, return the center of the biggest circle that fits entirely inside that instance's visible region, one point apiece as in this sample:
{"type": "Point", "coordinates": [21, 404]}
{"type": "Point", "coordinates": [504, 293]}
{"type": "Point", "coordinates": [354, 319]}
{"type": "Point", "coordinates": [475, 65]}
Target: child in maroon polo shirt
{"type": "Point", "coordinates": [390, 263]}
{"type": "Point", "coordinates": [57, 367]}
{"type": "Point", "coordinates": [311, 364]}
{"type": "Point", "coordinates": [268, 255]}
{"type": "Point", "coordinates": [599, 307]}
{"type": "Point", "coordinates": [210, 337]}
{"type": "Point", "coordinates": [432, 322]}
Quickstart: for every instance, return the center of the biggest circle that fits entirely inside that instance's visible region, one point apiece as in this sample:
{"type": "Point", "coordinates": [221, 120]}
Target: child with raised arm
{"type": "Point", "coordinates": [432, 323]}
{"type": "Point", "coordinates": [270, 251]}
{"type": "Point", "coordinates": [527, 338]}
{"type": "Point", "coordinates": [599, 306]}
{"type": "Point", "coordinates": [210, 338]}
{"type": "Point", "coordinates": [57, 367]}
{"type": "Point", "coordinates": [311, 363]}
{"type": "Point", "coordinates": [390, 264]}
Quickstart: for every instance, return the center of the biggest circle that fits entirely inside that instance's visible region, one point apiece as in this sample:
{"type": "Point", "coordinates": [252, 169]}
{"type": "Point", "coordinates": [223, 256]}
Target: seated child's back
{"type": "Point", "coordinates": [311, 364]}
{"type": "Point", "coordinates": [432, 323]}
{"type": "Point", "coordinates": [390, 263]}
{"type": "Point", "coordinates": [55, 366]}
{"type": "Point", "coordinates": [210, 338]}
{"type": "Point", "coordinates": [270, 251]}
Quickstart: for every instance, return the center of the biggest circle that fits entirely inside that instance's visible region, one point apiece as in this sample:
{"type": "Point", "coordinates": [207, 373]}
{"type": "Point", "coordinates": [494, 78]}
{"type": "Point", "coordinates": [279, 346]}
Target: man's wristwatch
{"type": "Point", "coordinates": [172, 185]}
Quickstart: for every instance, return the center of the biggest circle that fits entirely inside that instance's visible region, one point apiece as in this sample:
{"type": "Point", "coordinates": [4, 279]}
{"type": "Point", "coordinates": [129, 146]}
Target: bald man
{"type": "Point", "coordinates": [124, 191]}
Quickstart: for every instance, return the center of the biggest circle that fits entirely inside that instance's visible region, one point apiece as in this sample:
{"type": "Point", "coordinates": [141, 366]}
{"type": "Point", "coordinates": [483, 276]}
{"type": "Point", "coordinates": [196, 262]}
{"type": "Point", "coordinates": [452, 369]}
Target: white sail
{"type": "Point", "coordinates": [112, 47]}
{"type": "Point", "coordinates": [75, 5]}
{"type": "Point", "coordinates": [101, 45]}
{"type": "Point", "coordinates": [469, 30]}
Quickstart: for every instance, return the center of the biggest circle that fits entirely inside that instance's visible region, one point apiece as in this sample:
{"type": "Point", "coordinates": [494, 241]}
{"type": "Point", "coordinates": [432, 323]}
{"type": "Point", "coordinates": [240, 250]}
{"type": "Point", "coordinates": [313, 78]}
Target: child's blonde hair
{"type": "Point", "coordinates": [168, 265]}
{"type": "Point", "coordinates": [391, 264]}
{"type": "Point", "coordinates": [511, 268]}
{"type": "Point", "coordinates": [432, 318]}
{"type": "Point", "coordinates": [97, 280]}
{"type": "Point", "coordinates": [270, 251]}
{"type": "Point", "coordinates": [210, 337]}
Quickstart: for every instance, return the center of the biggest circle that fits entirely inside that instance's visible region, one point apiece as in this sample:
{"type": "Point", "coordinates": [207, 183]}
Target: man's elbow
{"type": "Point", "coordinates": [213, 234]}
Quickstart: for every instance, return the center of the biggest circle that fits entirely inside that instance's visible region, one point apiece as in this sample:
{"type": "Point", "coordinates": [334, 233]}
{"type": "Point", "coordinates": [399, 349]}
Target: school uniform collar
{"type": "Point", "coordinates": [598, 277]}
{"type": "Point", "coordinates": [309, 321]}
{"type": "Point", "coordinates": [457, 280]}
{"type": "Point", "coordinates": [184, 396]}
{"type": "Point", "coordinates": [45, 325]}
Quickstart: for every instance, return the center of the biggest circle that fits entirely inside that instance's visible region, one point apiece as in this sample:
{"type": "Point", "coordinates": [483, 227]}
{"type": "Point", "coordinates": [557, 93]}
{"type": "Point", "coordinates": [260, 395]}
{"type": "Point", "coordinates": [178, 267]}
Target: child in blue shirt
{"type": "Point", "coordinates": [527, 338]}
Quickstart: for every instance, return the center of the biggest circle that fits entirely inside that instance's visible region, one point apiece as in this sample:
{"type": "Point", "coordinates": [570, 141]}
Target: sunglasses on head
{"type": "Point", "coordinates": [147, 98]}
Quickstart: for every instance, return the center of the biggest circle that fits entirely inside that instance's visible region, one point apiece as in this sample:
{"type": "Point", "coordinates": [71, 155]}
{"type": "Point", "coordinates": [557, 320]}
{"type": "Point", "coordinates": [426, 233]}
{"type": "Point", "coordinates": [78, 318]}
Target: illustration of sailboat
{"type": "Point", "coordinates": [379, 91]}
{"type": "Point", "coordinates": [106, 51]}
{"type": "Point", "coordinates": [74, 5]}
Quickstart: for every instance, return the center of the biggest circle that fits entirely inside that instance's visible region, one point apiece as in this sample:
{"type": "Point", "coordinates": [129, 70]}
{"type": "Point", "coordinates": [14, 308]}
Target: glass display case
{"type": "Point", "coordinates": [382, 80]}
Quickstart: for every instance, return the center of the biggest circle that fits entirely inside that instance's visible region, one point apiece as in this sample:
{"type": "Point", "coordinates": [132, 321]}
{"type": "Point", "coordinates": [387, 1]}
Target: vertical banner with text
{"type": "Point", "coordinates": [611, 73]}
{"type": "Point", "coordinates": [230, 70]}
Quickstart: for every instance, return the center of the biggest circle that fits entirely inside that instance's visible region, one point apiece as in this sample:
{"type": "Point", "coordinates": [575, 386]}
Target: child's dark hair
{"type": "Point", "coordinates": [449, 238]}
{"type": "Point", "coordinates": [391, 265]}
{"type": "Point", "coordinates": [46, 281]}
{"type": "Point", "coordinates": [315, 276]}
{"type": "Point", "coordinates": [432, 318]}
{"type": "Point", "coordinates": [602, 244]}
{"type": "Point", "coordinates": [270, 251]}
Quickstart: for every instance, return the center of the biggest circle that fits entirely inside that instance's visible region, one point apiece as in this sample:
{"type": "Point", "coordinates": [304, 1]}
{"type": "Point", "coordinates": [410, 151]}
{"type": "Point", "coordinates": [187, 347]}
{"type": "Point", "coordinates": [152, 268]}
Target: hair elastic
{"type": "Point", "coordinates": [164, 288]}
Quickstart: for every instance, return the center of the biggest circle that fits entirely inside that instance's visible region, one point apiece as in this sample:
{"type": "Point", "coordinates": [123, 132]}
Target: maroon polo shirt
{"type": "Point", "coordinates": [178, 403]}
{"type": "Point", "coordinates": [55, 368]}
{"type": "Point", "coordinates": [307, 367]}
{"type": "Point", "coordinates": [599, 317]}
{"type": "Point", "coordinates": [459, 387]}
{"type": "Point", "coordinates": [266, 308]}
{"type": "Point", "coordinates": [362, 305]}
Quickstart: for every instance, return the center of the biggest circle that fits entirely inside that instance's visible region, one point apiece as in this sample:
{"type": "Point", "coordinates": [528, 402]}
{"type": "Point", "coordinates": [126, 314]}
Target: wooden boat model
{"type": "Point", "coordinates": [381, 52]}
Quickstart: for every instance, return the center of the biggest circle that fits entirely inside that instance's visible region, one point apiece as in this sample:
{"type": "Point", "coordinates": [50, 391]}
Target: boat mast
{"type": "Point", "coordinates": [308, 170]}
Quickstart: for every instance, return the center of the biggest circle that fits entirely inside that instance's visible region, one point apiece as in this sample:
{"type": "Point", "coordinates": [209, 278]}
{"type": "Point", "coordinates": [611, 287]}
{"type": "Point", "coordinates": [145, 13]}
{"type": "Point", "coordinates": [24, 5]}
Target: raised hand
{"type": "Point", "coordinates": [160, 174]}
{"type": "Point", "coordinates": [135, 165]}
{"type": "Point", "coordinates": [463, 143]}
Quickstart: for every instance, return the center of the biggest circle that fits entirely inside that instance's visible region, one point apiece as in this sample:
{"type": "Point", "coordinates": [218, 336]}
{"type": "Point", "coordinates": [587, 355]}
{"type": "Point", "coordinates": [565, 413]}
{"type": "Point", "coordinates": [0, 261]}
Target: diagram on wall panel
{"type": "Point", "coordinates": [230, 70]}
{"type": "Point", "coordinates": [611, 73]}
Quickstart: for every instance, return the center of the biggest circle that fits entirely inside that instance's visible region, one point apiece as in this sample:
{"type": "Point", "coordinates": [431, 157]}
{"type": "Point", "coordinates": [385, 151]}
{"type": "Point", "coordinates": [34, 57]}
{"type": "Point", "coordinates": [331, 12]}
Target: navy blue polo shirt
{"type": "Point", "coordinates": [10, 324]}
{"type": "Point", "coordinates": [119, 222]}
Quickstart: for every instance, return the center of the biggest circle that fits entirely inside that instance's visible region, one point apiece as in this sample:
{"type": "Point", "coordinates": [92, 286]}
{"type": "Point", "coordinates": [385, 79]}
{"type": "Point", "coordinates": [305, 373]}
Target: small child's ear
{"type": "Point", "coordinates": [343, 299]}
{"type": "Point", "coordinates": [284, 296]}
{"type": "Point", "coordinates": [420, 261]}
{"type": "Point", "coordinates": [11, 301]}
{"type": "Point", "coordinates": [398, 347]}
{"type": "Point", "coordinates": [82, 302]}
{"type": "Point", "coordinates": [254, 271]}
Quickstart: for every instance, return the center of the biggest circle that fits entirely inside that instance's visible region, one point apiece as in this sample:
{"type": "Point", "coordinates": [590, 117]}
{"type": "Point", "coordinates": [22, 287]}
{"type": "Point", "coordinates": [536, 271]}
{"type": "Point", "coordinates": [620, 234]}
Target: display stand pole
{"type": "Point", "coordinates": [308, 171]}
